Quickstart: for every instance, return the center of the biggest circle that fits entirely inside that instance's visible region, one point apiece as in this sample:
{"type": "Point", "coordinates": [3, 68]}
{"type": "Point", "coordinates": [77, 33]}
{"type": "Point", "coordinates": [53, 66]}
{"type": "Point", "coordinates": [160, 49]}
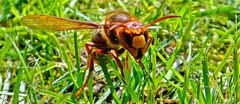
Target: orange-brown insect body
{"type": "Point", "coordinates": [120, 31]}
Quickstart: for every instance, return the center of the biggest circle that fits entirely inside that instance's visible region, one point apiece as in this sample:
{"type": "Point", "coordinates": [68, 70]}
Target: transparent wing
{"type": "Point", "coordinates": [52, 23]}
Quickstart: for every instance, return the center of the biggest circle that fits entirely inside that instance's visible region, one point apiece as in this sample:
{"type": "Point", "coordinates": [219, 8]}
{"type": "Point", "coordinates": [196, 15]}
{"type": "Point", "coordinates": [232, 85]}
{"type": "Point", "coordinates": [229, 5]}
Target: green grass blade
{"type": "Point", "coordinates": [206, 81]}
{"type": "Point", "coordinates": [4, 50]}
{"type": "Point", "coordinates": [76, 51]}
{"type": "Point", "coordinates": [227, 9]}
{"type": "Point", "coordinates": [17, 86]}
{"type": "Point", "coordinates": [103, 97]}
{"type": "Point", "coordinates": [236, 68]}
{"type": "Point", "coordinates": [109, 81]}
{"type": "Point", "coordinates": [90, 88]}
{"type": "Point", "coordinates": [52, 94]}
{"type": "Point", "coordinates": [185, 87]}
{"type": "Point", "coordinates": [80, 74]}
{"type": "Point", "coordinates": [63, 99]}
{"type": "Point", "coordinates": [133, 94]}
{"type": "Point", "coordinates": [229, 50]}
{"type": "Point", "coordinates": [64, 55]}
{"type": "Point", "coordinates": [19, 75]}
{"type": "Point", "coordinates": [224, 61]}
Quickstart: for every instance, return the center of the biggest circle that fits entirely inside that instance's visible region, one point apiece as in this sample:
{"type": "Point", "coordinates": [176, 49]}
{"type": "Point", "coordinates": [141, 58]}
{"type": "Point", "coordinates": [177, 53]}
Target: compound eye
{"type": "Point", "coordinates": [146, 35]}
{"type": "Point", "coordinates": [127, 38]}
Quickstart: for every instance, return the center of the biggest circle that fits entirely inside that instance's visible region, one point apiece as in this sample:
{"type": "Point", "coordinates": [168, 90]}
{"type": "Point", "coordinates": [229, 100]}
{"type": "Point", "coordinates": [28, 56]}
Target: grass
{"type": "Point", "coordinates": [193, 59]}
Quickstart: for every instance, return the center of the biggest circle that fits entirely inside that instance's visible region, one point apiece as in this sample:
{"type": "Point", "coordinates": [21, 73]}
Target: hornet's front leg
{"type": "Point", "coordinates": [144, 50]}
{"type": "Point", "coordinates": [120, 64]}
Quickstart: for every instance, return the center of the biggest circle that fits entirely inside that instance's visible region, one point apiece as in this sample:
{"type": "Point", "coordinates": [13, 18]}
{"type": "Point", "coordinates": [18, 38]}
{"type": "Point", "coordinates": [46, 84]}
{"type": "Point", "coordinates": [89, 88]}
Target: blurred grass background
{"type": "Point", "coordinates": [194, 59]}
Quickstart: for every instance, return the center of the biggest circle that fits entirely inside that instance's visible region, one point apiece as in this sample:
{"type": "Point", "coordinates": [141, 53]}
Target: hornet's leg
{"type": "Point", "coordinates": [150, 39]}
{"type": "Point", "coordinates": [88, 46]}
{"type": "Point", "coordinates": [140, 63]}
{"type": "Point", "coordinates": [90, 64]}
{"type": "Point", "coordinates": [119, 52]}
{"type": "Point", "coordinates": [127, 65]}
{"type": "Point", "coordinates": [120, 64]}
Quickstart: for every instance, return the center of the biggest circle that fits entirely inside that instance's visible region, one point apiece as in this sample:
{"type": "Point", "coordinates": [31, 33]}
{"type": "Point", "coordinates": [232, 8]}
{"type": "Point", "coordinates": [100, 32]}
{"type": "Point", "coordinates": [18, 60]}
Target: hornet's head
{"type": "Point", "coordinates": [134, 37]}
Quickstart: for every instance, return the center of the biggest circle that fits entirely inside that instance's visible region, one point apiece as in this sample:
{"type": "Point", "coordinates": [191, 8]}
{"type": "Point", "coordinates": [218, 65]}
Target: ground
{"type": "Point", "coordinates": [193, 59]}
